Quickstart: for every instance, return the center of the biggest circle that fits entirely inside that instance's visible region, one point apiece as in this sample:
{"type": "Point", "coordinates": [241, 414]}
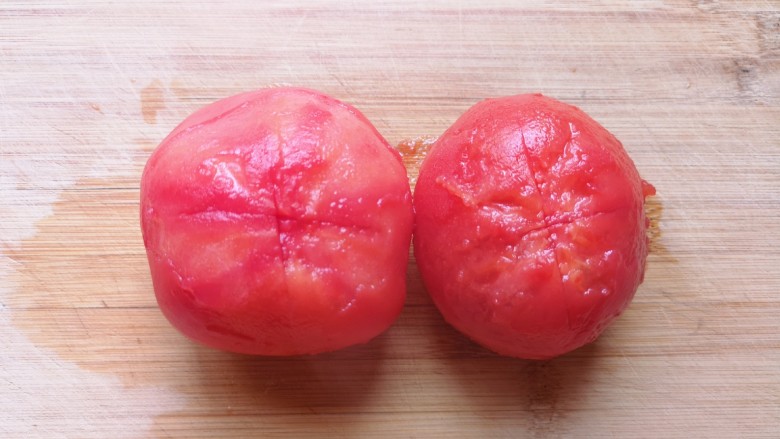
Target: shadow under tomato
{"type": "Point", "coordinates": [539, 393]}
{"type": "Point", "coordinates": [252, 395]}
{"type": "Point", "coordinates": [334, 380]}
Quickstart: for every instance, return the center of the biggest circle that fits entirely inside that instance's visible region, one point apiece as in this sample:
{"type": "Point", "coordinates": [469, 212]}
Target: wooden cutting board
{"type": "Point", "coordinates": [88, 88]}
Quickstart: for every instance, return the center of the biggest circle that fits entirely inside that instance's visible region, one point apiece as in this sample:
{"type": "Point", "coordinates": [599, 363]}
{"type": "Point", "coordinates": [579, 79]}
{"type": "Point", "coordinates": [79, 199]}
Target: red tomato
{"type": "Point", "coordinates": [530, 229]}
{"type": "Point", "coordinates": [277, 222]}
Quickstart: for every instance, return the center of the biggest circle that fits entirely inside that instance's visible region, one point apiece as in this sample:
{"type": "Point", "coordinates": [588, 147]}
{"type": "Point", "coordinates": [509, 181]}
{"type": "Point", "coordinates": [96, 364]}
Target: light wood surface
{"type": "Point", "coordinates": [88, 88]}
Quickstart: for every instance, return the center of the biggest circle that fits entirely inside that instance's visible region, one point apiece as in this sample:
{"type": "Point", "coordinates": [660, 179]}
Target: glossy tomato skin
{"type": "Point", "coordinates": [277, 222]}
{"type": "Point", "coordinates": [530, 229]}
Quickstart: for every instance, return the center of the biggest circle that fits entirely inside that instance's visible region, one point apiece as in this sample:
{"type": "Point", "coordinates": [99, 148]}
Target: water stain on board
{"type": "Point", "coordinates": [152, 101]}
{"type": "Point", "coordinates": [654, 210]}
{"type": "Point", "coordinates": [413, 152]}
{"type": "Point", "coordinates": [85, 293]}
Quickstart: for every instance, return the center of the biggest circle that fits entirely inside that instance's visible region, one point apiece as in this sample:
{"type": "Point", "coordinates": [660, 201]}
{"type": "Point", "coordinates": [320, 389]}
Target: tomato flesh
{"type": "Point", "coordinates": [530, 229]}
{"type": "Point", "coordinates": [277, 222]}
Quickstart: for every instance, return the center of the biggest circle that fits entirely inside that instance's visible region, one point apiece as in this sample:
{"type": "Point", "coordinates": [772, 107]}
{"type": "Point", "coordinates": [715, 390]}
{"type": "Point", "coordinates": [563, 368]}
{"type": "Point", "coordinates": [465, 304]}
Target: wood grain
{"type": "Point", "coordinates": [88, 88]}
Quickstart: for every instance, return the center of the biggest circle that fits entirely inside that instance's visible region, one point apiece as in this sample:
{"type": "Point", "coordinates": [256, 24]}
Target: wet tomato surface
{"type": "Point", "coordinates": [530, 229]}
{"type": "Point", "coordinates": [277, 222]}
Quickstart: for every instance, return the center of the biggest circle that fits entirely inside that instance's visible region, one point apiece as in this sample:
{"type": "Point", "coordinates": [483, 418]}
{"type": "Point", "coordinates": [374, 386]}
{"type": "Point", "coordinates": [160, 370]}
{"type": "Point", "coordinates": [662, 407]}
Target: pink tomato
{"type": "Point", "coordinates": [530, 229]}
{"type": "Point", "coordinates": [277, 222]}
